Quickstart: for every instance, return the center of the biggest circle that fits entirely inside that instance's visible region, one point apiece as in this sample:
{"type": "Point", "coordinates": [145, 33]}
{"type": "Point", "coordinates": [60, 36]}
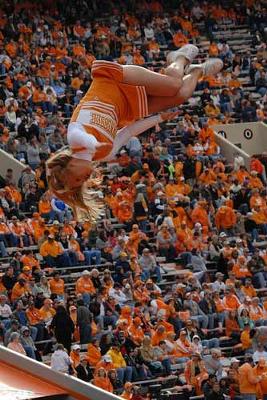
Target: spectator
{"type": "Point", "coordinates": [15, 344]}
{"type": "Point", "coordinates": [63, 327]}
{"type": "Point", "coordinates": [60, 361]}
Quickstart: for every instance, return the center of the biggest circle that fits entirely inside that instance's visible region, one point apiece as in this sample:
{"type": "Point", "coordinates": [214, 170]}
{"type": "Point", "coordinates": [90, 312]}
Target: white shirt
{"type": "Point", "coordinates": [149, 33]}
{"type": "Point", "coordinates": [5, 311]}
{"type": "Point", "coordinates": [218, 286]}
{"type": "Point", "coordinates": [238, 162]}
{"type": "Point", "coordinates": [118, 295]}
{"type": "Point", "coordinates": [60, 361]}
{"type": "Point", "coordinates": [259, 354]}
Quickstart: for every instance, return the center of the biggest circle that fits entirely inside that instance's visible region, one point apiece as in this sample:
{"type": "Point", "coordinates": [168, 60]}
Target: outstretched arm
{"type": "Point", "coordinates": [135, 129]}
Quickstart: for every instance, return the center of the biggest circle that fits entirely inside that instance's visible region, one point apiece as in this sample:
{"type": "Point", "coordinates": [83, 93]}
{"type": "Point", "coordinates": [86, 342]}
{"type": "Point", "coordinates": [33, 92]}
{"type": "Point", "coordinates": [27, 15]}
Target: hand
{"type": "Point", "coordinates": [166, 116]}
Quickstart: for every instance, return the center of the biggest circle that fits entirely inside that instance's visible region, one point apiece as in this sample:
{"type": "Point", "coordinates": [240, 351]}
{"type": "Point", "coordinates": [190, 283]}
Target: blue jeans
{"type": "Point", "coordinates": [34, 332]}
{"type": "Point", "coordinates": [61, 261]}
{"type": "Point", "coordinates": [167, 365]}
{"type": "Point", "coordinates": [248, 396]}
{"type": "Point", "coordinates": [202, 320]}
{"type": "Point", "coordinates": [124, 374]}
{"type": "Point", "coordinates": [6, 323]}
{"type": "Point", "coordinates": [30, 352]}
{"type": "Point", "coordinates": [89, 254]}
{"type": "Point", "coordinates": [3, 250]}
{"type": "Point", "coordinates": [106, 320]}
{"type": "Point", "coordinates": [255, 235]}
{"type": "Point", "coordinates": [211, 343]}
{"type": "Point", "coordinates": [86, 298]}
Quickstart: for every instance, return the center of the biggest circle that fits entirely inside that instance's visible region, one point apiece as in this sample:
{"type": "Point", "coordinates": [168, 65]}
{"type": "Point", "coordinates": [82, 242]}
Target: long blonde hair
{"type": "Point", "coordinates": [83, 200]}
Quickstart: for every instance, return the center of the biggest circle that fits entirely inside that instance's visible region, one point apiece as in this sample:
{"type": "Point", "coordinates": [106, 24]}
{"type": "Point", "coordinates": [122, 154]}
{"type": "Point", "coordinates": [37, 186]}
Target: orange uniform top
{"type": "Point", "coordinates": [109, 105]}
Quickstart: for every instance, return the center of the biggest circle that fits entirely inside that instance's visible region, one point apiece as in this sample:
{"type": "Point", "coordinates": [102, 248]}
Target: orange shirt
{"type": "Point", "coordinates": [44, 206]}
{"type": "Point", "coordinates": [256, 313]}
{"type": "Point", "coordinates": [225, 217]}
{"type": "Point", "coordinates": [231, 302]}
{"type": "Point", "coordinates": [47, 314]}
{"type": "Point", "coordinates": [179, 39]}
{"type": "Point", "coordinates": [103, 383]}
{"type": "Point", "coordinates": [52, 249]}
{"type": "Point", "coordinates": [156, 338]}
{"type": "Point", "coordinates": [231, 326]}
{"type": "Point", "coordinates": [75, 358]}
{"type": "Point", "coordinates": [200, 215]}
{"type": "Point", "coordinates": [84, 285]}
{"type": "Point", "coordinates": [240, 272]}
{"type": "Point", "coordinates": [30, 261]}
{"type": "Point", "coordinates": [249, 291]}
{"type": "Point", "coordinates": [18, 291]}
{"type": "Point", "coordinates": [247, 379]}
{"type": "Point", "coordinates": [34, 316]}
{"type": "Point", "coordinates": [93, 355]}
{"type": "Point", "coordinates": [57, 286]}
{"type": "Point", "coordinates": [136, 333]}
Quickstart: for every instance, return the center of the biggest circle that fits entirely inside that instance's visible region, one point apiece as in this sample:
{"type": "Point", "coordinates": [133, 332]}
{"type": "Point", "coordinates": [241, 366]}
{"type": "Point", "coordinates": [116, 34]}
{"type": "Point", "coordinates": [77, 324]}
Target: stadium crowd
{"type": "Point", "coordinates": [169, 286]}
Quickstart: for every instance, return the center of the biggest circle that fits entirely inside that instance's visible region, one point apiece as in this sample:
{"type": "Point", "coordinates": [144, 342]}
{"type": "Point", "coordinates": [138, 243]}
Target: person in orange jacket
{"type": "Point", "coordinates": [19, 290]}
{"type": "Point", "coordinates": [75, 355]}
{"type": "Point", "coordinates": [57, 286]}
{"type": "Point", "coordinates": [248, 379]}
{"type": "Point", "coordinates": [260, 371]}
{"type": "Point", "coordinates": [136, 332]}
{"type": "Point", "coordinates": [102, 381]}
{"type": "Point", "coordinates": [85, 287]}
{"type": "Point", "coordinates": [225, 219]}
{"type": "Point", "coordinates": [93, 355]}
{"type": "Point", "coordinates": [199, 214]}
{"type": "Point", "coordinates": [53, 253]}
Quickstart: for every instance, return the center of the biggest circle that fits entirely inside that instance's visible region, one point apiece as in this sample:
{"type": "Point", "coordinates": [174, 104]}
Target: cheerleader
{"type": "Point", "coordinates": [112, 111]}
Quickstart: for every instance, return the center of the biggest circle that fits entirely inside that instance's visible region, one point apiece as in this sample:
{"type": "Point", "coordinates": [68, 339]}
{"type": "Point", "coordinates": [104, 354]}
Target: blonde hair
{"type": "Point", "coordinates": [83, 200]}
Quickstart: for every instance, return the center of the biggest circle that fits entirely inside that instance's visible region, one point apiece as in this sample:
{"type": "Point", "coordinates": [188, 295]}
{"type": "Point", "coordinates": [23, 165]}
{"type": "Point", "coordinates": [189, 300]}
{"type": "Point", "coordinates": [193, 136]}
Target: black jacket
{"type": "Point", "coordinates": [85, 374]}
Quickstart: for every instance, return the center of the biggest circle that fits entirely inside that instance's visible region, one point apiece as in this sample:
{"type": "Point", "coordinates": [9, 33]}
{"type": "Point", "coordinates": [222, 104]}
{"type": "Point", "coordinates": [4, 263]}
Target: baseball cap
{"type": "Point", "coordinates": [107, 358]}
{"type": "Point", "coordinates": [76, 347]}
{"type": "Point", "coordinates": [24, 329]}
{"type": "Point", "coordinates": [233, 360]}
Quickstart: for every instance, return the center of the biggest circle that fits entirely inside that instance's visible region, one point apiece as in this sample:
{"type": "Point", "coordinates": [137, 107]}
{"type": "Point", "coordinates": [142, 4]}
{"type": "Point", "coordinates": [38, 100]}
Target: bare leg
{"type": "Point", "coordinates": [158, 103]}
{"type": "Point", "coordinates": [156, 84]}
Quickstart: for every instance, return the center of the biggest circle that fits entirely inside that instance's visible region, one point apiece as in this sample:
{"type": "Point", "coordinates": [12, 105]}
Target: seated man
{"type": "Point", "coordinates": [124, 372]}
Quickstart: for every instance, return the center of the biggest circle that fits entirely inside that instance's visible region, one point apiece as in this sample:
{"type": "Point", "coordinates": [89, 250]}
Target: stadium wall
{"type": "Point", "coordinates": [251, 138]}
{"type": "Point", "coordinates": [8, 161]}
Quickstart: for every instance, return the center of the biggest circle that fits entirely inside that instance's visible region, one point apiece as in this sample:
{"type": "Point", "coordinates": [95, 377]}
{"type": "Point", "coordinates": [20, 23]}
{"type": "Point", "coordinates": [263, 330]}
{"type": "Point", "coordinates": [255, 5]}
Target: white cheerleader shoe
{"type": "Point", "coordinates": [189, 51]}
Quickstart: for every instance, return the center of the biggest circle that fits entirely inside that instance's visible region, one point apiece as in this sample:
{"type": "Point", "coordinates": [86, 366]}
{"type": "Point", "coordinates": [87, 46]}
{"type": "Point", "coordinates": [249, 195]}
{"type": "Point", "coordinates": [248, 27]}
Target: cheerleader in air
{"type": "Point", "coordinates": [112, 111]}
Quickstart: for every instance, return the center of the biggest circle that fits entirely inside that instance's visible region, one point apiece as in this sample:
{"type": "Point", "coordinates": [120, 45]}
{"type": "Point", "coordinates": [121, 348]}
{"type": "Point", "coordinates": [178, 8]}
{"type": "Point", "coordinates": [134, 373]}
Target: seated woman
{"type": "Point", "coordinates": [195, 373]}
